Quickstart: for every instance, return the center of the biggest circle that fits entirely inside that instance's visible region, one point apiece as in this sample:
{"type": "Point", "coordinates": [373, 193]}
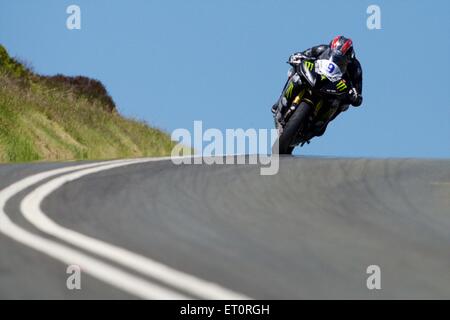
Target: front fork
{"type": "Point", "coordinates": [286, 110]}
{"type": "Point", "coordinates": [293, 94]}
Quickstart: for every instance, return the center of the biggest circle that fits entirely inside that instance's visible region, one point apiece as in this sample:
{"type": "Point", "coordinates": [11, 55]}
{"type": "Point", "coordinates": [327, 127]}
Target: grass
{"type": "Point", "coordinates": [66, 118]}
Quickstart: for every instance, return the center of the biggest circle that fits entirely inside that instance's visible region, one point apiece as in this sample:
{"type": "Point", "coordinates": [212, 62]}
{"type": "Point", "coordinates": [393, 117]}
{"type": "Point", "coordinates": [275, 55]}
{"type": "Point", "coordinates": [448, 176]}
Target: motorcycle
{"type": "Point", "coordinates": [314, 94]}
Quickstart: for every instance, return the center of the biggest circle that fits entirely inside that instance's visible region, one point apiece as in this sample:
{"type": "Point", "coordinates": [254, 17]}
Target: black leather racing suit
{"type": "Point", "coordinates": [353, 74]}
{"type": "Point", "coordinates": [354, 70]}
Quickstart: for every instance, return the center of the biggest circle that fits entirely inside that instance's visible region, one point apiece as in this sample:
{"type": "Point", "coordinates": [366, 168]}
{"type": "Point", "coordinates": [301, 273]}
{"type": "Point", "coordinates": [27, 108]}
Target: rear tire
{"type": "Point", "coordinates": [295, 124]}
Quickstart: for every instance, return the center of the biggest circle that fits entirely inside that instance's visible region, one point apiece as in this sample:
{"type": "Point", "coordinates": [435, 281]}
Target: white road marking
{"type": "Point", "coordinates": [116, 277]}
{"type": "Point", "coordinates": [30, 207]}
{"type": "Point", "coordinates": [443, 183]}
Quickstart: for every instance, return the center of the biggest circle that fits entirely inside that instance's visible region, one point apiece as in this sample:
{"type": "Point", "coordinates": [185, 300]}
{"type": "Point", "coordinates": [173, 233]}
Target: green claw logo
{"type": "Point", "coordinates": [309, 65]}
{"type": "Point", "coordinates": [341, 86]}
{"type": "Point", "coordinates": [289, 90]}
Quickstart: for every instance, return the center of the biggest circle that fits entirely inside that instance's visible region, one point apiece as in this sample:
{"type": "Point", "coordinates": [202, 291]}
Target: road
{"type": "Point", "coordinates": [151, 229]}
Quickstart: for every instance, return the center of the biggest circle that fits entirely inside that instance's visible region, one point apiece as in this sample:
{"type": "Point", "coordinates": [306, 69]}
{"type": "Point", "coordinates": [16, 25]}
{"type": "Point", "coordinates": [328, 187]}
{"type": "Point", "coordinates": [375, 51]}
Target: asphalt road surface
{"type": "Point", "coordinates": [153, 229]}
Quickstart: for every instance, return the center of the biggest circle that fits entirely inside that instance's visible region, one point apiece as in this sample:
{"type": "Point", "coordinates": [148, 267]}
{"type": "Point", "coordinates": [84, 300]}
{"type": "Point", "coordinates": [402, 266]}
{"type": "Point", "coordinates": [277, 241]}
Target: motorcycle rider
{"type": "Point", "coordinates": [341, 46]}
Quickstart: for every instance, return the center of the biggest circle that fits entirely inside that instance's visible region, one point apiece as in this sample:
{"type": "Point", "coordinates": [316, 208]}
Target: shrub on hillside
{"type": "Point", "coordinates": [90, 88]}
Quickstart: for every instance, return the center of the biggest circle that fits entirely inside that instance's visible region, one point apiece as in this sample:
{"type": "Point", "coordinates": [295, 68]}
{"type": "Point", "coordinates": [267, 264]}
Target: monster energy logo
{"type": "Point", "coordinates": [289, 90]}
{"type": "Point", "coordinates": [309, 65]}
{"type": "Point", "coordinates": [341, 85]}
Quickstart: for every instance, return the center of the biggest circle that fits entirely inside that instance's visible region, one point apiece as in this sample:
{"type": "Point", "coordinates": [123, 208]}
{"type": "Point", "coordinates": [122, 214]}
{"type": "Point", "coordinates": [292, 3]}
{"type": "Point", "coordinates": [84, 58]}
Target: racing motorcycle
{"type": "Point", "coordinates": [313, 95]}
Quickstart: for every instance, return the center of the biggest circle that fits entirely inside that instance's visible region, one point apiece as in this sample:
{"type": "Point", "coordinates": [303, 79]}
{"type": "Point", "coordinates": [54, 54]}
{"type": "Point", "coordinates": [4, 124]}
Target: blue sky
{"type": "Point", "coordinates": [223, 62]}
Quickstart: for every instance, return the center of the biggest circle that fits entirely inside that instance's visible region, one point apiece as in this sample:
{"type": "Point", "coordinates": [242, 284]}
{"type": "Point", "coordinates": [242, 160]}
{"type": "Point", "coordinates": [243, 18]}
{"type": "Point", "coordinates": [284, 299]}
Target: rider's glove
{"type": "Point", "coordinates": [296, 59]}
{"type": "Point", "coordinates": [355, 98]}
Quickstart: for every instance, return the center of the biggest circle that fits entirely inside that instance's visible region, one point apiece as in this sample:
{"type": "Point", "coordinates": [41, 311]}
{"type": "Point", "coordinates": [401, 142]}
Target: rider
{"type": "Point", "coordinates": [340, 45]}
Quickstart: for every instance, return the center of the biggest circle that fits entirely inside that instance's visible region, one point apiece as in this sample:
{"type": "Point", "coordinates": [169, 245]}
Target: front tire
{"type": "Point", "coordinates": [295, 124]}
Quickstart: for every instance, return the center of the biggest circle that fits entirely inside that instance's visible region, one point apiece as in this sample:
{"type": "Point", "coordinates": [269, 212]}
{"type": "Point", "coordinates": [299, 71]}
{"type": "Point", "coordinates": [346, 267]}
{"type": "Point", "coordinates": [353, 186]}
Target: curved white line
{"type": "Point", "coordinates": [116, 277]}
{"type": "Point", "coordinates": [30, 207]}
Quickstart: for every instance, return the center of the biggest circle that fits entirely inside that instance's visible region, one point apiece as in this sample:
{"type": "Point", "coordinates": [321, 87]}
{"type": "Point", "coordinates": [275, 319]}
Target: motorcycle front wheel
{"type": "Point", "coordinates": [294, 126]}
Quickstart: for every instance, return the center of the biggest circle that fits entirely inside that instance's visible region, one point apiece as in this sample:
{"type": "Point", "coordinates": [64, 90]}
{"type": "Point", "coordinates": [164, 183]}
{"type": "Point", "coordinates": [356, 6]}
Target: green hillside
{"type": "Point", "coordinates": [66, 118]}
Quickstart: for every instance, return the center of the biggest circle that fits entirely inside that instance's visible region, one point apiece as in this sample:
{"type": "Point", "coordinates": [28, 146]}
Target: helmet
{"type": "Point", "coordinates": [343, 45]}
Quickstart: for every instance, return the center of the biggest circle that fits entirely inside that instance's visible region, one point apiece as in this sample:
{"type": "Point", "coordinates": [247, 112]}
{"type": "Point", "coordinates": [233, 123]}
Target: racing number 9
{"type": "Point", "coordinates": [330, 68]}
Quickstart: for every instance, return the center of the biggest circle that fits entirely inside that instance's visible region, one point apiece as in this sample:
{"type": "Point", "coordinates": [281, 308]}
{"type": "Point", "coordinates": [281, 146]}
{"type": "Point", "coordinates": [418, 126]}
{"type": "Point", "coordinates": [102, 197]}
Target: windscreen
{"type": "Point", "coordinates": [332, 64]}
